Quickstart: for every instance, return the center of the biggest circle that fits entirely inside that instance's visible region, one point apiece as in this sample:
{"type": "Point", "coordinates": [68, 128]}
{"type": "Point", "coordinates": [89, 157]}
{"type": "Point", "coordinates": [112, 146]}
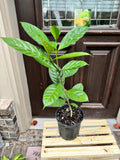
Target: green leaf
{"type": "Point", "coordinates": [71, 55]}
{"type": "Point", "coordinates": [63, 95]}
{"type": "Point", "coordinates": [22, 158]}
{"type": "Point", "coordinates": [30, 50]}
{"type": "Point", "coordinates": [17, 156]}
{"type": "Point", "coordinates": [53, 44]}
{"type": "Point", "coordinates": [78, 86]}
{"type": "Point", "coordinates": [55, 32]}
{"type": "Point", "coordinates": [51, 94]}
{"type": "Point", "coordinates": [72, 36]}
{"type": "Point", "coordinates": [48, 47]}
{"type": "Point", "coordinates": [74, 65]}
{"type": "Point", "coordinates": [68, 73]}
{"type": "Point", "coordinates": [58, 103]}
{"type": "Point", "coordinates": [74, 104]}
{"type": "Point", "coordinates": [4, 158]}
{"type": "Point", "coordinates": [54, 75]}
{"type": "Point", "coordinates": [34, 32]}
{"type": "Point", "coordinates": [77, 94]}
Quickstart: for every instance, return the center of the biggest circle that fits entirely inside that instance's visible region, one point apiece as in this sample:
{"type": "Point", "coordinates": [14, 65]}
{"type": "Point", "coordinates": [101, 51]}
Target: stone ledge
{"type": "Point", "coordinates": [8, 121]}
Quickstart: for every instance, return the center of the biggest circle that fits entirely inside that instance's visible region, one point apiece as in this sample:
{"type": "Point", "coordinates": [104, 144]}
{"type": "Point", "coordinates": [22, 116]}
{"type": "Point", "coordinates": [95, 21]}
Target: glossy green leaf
{"type": "Point", "coordinates": [74, 65]}
{"type": "Point", "coordinates": [72, 55]}
{"type": "Point", "coordinates": [53, 44]}
{"type": "Point", "coordinates": [73, 36]}
{"type": "Point", "coordinates": [68, 73]}
{"type": "Point", "coordinates": [77, 94]}
{"type": "Point", "coordinates": [34, 32]}
{"type": "Point", "coordinates": [78, 86]}
{"type": "Point", "coordinates": [58, 103]}
{"type": "Point", "coordinates": [22, 158]}
{"type": "Point", "coordinates": [63, 95]}
{"type": "Point", "coordinates": [17, 156]}
{"type": "Point", "coordinates": [74, 104]}
{"type": "Point", "coordinates": [5, 158]}
{"type": "Point", "coordinates": [29, 50]}
{"type": "Point", "coordinates": [48, 47]}
{"type": "Point", "coordinates": [51, 94]}
{"type": "Point", "coordinates": [54, 75]}
{"type": "Point", "coordinates": [55, 32]}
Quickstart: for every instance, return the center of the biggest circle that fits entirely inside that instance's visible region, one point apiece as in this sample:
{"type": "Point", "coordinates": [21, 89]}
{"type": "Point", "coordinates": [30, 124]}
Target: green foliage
{"type": "Point", "coordinates": [55, 94]}
{"type": "Point", "coordinates": [74, 65]}
{"type": "Point", "coordinates": [69, 72]}
{"type": "Point", "coordinates": [72, 55]}
{"type": "Point", "coordinates": [51, 94]}
{"type": "Point", "coordinates": [72, 36]}
{"type": "Point", "coordinates": [59, 102]}
{"type": "Point", "coordinates": [55, 32]}
{"type": "Point", "coordinates": [29, 50]}
{"type": "Point", "coordinates": [77, 94]}
{"type": "Point", "coordinates": [34, 32]}
{"type": "Point", "coordinates": [5, 158]}
{"type": "Point", "coordinates": [16, 157]}
{"type": "Point", "coordinates": [54, 75]}
{"type": "Point", "coordinates": [48, 47]}
{"type": "Point", "coordinates": [74, 104]}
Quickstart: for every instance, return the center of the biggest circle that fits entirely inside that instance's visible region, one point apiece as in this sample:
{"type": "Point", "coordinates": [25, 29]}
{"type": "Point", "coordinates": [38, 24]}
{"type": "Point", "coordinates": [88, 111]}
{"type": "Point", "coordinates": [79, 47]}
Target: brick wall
{"type": "Point", "coordinates": [8, 121]}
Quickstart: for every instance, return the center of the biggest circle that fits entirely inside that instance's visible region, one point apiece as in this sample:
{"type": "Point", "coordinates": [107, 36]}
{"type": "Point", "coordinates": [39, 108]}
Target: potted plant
{"type": "Point", "coordinates": [69, 116]}
{"type": "Point", "coordinates": [16, 157]}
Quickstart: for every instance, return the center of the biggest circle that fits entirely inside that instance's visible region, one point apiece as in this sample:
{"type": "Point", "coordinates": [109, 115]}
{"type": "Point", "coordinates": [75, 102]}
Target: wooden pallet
{"type": "Point", "coordinates": [95, 142]}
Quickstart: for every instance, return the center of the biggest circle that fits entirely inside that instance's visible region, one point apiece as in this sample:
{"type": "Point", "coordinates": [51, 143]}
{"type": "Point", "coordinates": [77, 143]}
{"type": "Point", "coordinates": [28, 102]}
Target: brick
{"type": "Point", "coordinates": [11, 121]}
{"type": "Point", "coordinates": [4, 105]}
{"type": "Point", "coordinates": [9, 128]}
{"type": "Point", "coordinates": [8, 120]}
{"type": "Point", "coordinates": [5, 135]}
{"type": "Point", "coordinates": [2, 122]}
{"type": "Point", "coordinates": [14, 134]}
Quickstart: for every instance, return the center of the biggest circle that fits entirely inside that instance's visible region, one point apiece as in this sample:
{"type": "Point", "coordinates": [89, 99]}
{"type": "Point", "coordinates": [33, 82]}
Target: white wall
{"type": "Point", "coordinates": [13, 83]}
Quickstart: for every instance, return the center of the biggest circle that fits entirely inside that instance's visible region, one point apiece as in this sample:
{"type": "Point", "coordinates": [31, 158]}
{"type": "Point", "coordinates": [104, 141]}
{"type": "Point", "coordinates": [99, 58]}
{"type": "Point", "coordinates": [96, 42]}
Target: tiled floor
{"type": "Point", "coordinates": [33, 137]}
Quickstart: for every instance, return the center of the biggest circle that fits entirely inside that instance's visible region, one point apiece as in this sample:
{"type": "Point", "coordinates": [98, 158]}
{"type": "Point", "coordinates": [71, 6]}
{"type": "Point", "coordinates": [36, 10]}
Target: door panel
{"type": "Point", "coordinates": [100, 78]}
{"type": "Point", "coordinates": [100, 74]}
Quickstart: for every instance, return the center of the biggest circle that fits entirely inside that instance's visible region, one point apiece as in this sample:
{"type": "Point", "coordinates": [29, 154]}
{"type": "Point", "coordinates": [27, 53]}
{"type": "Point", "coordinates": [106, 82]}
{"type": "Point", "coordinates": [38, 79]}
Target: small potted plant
{"type": "Point", "coordinates": [69, 116]}
{"type": "Point", "coordinates": [15, 157]}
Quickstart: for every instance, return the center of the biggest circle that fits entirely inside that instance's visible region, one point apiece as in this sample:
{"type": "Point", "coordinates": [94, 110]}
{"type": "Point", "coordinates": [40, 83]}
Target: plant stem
{"type": "Point", "coordinates": [71, 113]}
{"type": "Point", "coordinates": [66, 96]}
{"type": "Point", "coordinates": [56, 57]}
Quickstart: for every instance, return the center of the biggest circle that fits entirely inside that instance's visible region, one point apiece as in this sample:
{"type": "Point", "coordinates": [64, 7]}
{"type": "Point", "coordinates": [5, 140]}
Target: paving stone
{"type": "Point", "coordinates": [17, 149]}
{"type": "Point", "coordinates": [8, 149]}
{"type": "Point", "coordinates": [117, 137]}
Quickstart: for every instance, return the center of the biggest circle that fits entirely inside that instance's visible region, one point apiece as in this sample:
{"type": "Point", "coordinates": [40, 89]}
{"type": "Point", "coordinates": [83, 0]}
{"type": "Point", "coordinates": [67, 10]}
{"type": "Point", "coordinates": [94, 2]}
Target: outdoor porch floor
{"type": "Point", "coordinates": [33, 137]}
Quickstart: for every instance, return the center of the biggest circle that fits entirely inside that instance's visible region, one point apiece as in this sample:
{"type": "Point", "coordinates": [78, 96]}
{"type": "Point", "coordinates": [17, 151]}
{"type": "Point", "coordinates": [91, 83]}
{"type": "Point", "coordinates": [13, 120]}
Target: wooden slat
{"type": "Point", "coordinates": [85, 123]}
{"type": "Point", "coordinates": [83, 131]}
{"type": "Point", "coordinates": [82, 152]}
{"type": "Point", "coordinates": [88, 140]}
{"type": "Point", "coordinates": [95, 142]}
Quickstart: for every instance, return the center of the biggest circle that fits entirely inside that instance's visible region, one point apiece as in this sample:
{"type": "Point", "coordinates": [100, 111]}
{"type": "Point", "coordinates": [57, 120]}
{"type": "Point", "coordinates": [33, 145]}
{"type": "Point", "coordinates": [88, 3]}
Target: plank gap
{"type": "Point", "coordinates": [102, 134]}
{"type": "Point", "coordinates": [83, 145]}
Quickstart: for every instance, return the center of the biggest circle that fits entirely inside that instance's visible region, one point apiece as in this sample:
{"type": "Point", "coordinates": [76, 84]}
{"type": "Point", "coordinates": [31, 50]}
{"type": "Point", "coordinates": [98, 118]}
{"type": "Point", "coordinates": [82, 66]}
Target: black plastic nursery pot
{"type": "Point", "coordinates": [69, 132]}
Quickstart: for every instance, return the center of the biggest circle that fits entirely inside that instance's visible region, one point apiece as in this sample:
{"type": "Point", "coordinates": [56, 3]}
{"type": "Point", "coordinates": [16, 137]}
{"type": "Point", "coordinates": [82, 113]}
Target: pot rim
{"type": "Point", "coordinates": [66, 124]}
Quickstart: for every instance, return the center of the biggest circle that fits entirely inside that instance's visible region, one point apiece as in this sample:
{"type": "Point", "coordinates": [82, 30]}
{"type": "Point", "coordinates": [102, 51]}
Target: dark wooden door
{"type": "Point", "coordinates": [101, 79]}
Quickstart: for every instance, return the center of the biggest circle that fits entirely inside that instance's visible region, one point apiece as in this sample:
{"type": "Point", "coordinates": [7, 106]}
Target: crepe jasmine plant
{"type": "Point", "coordinates": [55, 95]}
